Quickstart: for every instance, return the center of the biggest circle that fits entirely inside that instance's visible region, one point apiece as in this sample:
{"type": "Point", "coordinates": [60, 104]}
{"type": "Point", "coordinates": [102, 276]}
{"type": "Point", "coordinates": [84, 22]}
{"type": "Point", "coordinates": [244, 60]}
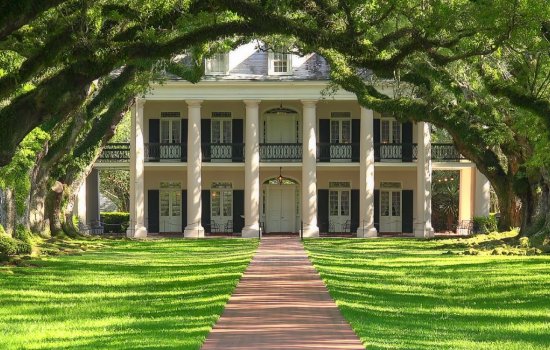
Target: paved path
{"type": "Point", "coordinates": [281, 303]}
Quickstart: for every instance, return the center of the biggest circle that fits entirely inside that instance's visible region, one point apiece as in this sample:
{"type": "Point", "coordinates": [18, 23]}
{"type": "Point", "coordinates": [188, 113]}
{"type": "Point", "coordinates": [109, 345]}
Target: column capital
{"type": "Point", "coordinates": [367, 111]}
{"type": "Point", "coordinates": [140, 102]}
{"type": "Point", "coordinates": [309, 103]}
{"type": "Point", "coordinates": [194, 103]}
{"type": "Point", "coordinates": [252, 103]}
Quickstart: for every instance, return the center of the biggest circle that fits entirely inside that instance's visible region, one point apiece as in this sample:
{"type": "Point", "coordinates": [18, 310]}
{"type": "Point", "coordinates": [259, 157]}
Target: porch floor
{"type": "Point", "coordinates": [281, 303]}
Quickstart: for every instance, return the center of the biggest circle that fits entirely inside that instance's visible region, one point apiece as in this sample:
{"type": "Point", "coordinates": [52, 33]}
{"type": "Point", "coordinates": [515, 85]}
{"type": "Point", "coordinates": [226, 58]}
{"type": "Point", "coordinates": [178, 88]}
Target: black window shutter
{"type": "Point", "coordinates": [154, 130]}
{"type": "Point", "coordinates": [154, 140]}
{"type": "Point", "coordinates": [322, 210]}
{"type": "Point", "coordinates": [205, 130]}
{"type": "Point", "coordinates": [354, 217]}
{"type": "Point", "coordinates": [324, 140]}
{"type": "Point", "coordinates": [407, 211]}
{"type": "Point", "coordinates": [377, 210]}
{"type": "Point", "coordinates": [184, 140]}
{"type": "Point", "coordinates": [376, 138]}
{"type": "Point", "coordinates": [205, 219]}
{"type": "Point", "coordinates": [237, 135]}
{"type": "Point", "coordinates": [183, 209]}
{"type": "Point", "coordinates": [238, 210]}
{"type": "Point", "coordinates": [205, 138]}
{"type": "Point", "coordinates": [407, 140]}
{"type": "Point", "coordinates": [355, 139]}
{"type": "Point", "coordinates": [153, 210]}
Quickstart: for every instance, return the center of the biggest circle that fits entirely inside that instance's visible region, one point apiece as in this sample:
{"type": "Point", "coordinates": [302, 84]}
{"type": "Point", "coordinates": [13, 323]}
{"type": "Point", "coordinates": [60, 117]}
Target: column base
{"type": "Point", "coordinates": [193, 232]}
{"type": "Point", "coordinates": [366, 232]}
{"type": "Point", "coordinates": [138, 232]}
{"type": "Point", "coordinates": [425, 232]}
{"type": "Point", "coordinates": [310, 232]}
{"type": "Point", "coordinates": [252, 231]}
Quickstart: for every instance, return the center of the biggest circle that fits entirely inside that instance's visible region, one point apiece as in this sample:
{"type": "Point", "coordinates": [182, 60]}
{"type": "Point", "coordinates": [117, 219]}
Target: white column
{"type": "Point", "coordinates": [309, 169]}
{"type": "Point", "coordinates": [482, 195]}
{"type": "Point", "coordinates": [131, 226]}
{"type": "Point", "coordinates": [366, 176]}
{"type": "Point", "coordinates": [252, 171]}
{"type": "Point", "coordinates": [194, 226]}
{"type": "Point", "coordinates": [465, 191]}
{"type": "Point", "coordinates": [138, 230]}
{"type": "Point", "coordinates": [423, 227]}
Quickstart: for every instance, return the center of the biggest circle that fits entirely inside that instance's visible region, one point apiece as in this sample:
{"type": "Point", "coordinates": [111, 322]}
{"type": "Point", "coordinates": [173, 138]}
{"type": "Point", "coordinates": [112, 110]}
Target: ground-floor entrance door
{"type": "Point", "coordinates": [339, 206]}
{"type": "Point", "coordinates": [170, 207]}
{"type": "Point", "coordinates": [390, 211]}
{"type": "Point", "coordinates": [280, 211]}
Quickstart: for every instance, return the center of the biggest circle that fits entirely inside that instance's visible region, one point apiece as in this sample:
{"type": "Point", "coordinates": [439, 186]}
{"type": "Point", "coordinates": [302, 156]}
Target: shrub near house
{"type": "Point", "coordinates": [115, 222]}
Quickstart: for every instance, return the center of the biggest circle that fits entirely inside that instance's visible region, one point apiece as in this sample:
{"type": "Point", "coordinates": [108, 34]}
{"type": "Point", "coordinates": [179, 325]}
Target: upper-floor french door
{"type": "Point", "coordinates": [390, 137]}
{"type": "Point", "coordinates": [221, 138]}
{"type": "Point", "coordinates": [170, 138]}
{"type": "Point", "coordinates": [340, 139]}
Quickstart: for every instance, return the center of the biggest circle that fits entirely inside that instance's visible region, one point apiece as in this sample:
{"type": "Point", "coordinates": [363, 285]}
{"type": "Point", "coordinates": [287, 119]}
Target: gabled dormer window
{"type": "Point", "coordinates": [217, 64]}
{"type": "Point", "coordinates": [280, 63]}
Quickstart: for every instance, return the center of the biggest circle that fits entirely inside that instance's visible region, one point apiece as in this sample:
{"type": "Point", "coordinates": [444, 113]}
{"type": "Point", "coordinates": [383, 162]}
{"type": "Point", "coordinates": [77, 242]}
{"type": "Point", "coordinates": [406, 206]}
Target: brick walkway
{"type": "Point", "coordinates": [281, 303]}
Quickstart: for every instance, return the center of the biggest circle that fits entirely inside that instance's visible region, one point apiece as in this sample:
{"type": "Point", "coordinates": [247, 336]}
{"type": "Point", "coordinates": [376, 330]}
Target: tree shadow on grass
{"type": "Point", "coordinates": [403, 294]}
{"type": "Point", "coordinates": [165, 294]}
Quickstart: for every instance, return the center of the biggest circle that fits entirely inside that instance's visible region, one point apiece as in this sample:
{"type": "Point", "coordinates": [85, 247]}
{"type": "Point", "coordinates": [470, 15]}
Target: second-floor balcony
{"type": "Point", "coordinates": [222, 152]}
{"type": "Point", "coordinates": [279, 152]}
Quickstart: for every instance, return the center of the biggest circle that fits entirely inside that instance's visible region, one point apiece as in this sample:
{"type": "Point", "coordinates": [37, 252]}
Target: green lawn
{"type": "Point", "coordinates": [406, 294]}
{"type": "Point", "coordinates": [164, 294]}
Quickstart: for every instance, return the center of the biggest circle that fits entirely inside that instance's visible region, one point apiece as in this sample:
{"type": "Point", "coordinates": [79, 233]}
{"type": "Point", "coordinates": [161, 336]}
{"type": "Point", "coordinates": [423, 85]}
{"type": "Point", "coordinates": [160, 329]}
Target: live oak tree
{"type": "Point", "coordinates": [434, 54]}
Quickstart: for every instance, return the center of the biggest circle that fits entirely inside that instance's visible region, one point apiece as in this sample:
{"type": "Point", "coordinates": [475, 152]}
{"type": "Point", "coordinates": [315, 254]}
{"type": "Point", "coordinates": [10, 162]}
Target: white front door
{"type": "Point", "coordinates": [390, 211]}
{"type": "Point", "coordinates": [170, 211]}
{"type": "Point", "coordinates": [281, 208]}
{"type": "Point", "coordinates": [221, 207]}
{"type": "Point", "coordinates": [339, 210]}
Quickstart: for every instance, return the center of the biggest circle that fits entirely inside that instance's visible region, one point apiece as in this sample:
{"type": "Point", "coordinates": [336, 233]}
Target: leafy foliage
{"type": "Point", "coordinates": [16, 175]}
{"type": "Point", "coordinates": [485, 224]}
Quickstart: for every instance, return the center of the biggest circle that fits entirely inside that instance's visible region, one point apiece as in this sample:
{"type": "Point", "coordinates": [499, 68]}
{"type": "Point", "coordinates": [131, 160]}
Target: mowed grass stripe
{"type": "Point", "coordinates": [161, 294]}
{"type": "Point", "coordinates": [407, 294]}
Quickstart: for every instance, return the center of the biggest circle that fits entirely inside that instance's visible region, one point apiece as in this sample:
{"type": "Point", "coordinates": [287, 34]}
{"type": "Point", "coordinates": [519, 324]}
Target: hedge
{"type": "Point", "coordinates": [485, 224]}
{"type": "Point", "coordinates": [11, 246]}
{"type": "Point", "coordinates": [115, 222]}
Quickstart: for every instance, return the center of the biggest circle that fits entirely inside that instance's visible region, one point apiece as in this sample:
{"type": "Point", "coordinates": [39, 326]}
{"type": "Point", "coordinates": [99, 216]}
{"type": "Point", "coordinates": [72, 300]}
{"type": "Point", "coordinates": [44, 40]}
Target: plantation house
{"type": "Point", "coordinates": [257, 144]}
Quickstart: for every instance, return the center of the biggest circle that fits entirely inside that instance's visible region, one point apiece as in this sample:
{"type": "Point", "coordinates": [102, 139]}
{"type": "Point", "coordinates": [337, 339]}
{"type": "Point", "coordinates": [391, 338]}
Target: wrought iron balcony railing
{"type": "Point", "coordinates": [232, 152]}
{"type": "Point", "coordinates": [155, 152]}
{"type": "Point", "coordinates": [445, 152]}
{"type": "Point", "coordinates": [280, 152]}
{"type": "Point", "coordinates": [115, 153]}
{"type": "Point", "coordinates": [338, 152]}
{"type": "Point", "coordinates": [405, 152]}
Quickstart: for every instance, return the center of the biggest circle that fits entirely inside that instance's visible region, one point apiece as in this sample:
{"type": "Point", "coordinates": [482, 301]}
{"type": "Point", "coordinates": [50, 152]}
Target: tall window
{"type": "Point", "coordinates": [218, 64]}
{"type": "Point", "coordinates": [221, 199]}
{"type": "Point", "coordinates": [340, 127]}
{"type": "Point", "coordinates": [280, 63]}
{"type": "Point", "coordinates": [390, 131]}
{"type": "Point", "coordinates": [170, 127]}
{"type": "Point", "coordinates": [221, 127]}
{"type": "Point", "coordinates": [339, 199]}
